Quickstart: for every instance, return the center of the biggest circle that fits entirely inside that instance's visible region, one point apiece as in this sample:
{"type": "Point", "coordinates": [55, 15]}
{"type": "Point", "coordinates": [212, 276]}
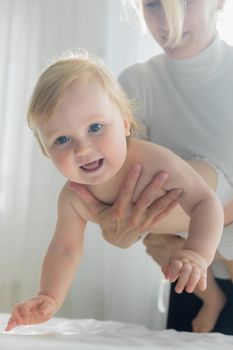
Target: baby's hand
{"type": "Point", "coordinates": [188, 268]}
{"type": "Point", "coordinates": [37, 310]}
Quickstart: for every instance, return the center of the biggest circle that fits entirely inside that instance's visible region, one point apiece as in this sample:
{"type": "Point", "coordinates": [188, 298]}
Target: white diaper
{"type": "Point", "coordinates": [224, 188]}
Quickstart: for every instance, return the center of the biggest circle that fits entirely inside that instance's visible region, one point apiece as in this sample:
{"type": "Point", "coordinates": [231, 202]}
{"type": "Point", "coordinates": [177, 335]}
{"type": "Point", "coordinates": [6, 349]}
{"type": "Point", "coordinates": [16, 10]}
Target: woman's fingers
{"type": "Point", "coordinates": [153, 204]}
{"type": "Point", "coordinates": [151, 193]}
{"type": "Point", "coordinates": [125, 197]}
{"type": "Point", "coordinates": [123, 200]}
{"type": "Point", "coordinates": [125, 221]}
{"type": "Point", "coordinates": [166, 203]}
{"type": "Point", "coordinates": [162, 207]}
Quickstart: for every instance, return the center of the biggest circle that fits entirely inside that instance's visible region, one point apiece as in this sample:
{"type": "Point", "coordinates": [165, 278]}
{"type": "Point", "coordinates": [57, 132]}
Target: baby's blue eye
{"type": "Point", "coordinates": [62, 139]}
{"type": "Point", "coordinates": [94, 127]}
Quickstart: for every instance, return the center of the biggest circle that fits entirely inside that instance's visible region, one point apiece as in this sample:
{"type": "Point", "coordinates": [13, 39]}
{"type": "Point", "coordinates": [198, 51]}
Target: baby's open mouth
{"type": "Point", "coordinates": [93, 166]}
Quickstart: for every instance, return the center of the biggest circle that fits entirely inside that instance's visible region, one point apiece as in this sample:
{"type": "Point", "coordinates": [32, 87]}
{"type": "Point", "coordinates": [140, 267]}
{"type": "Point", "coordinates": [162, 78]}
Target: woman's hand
{"type": "Point", "coordinates": [161, 246]}
{"type": "Point", "coordinates": [124, 222]}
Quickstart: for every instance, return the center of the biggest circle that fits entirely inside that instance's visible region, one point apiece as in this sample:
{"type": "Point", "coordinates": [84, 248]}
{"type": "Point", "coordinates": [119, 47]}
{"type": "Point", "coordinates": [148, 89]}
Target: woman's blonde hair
{"type": "Point", "coordinates": [174, 11]}
{"type": "Point", "coordinates": [54, 81]}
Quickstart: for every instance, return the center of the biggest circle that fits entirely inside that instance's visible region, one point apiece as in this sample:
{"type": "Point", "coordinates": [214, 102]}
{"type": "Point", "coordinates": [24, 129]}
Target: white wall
{"type": "Point", "coordinates": [111, 283]}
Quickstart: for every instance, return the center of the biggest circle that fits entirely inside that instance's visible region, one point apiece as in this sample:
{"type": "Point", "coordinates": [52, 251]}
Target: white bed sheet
{"type": "Point", "coordinates": [70, 334]}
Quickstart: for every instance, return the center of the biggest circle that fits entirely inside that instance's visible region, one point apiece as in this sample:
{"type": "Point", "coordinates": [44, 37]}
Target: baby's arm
{"type": "Point", "coordinates": [58, 269]}
{"type": "Point", "coordinates": [206, 223]}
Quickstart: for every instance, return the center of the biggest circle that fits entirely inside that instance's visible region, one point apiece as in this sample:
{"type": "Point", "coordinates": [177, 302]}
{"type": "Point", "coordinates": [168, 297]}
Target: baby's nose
{"type": "Point", "coordinates": [83, 153]}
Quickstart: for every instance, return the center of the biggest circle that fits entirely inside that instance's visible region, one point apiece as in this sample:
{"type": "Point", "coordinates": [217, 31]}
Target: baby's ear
{"type": "Point", "coordinates": [127, 125]}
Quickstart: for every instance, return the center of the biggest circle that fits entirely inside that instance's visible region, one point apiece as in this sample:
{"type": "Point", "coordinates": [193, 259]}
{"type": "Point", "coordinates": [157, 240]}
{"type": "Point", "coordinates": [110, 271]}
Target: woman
{"type": "Point", "coordinates": [184, 98]}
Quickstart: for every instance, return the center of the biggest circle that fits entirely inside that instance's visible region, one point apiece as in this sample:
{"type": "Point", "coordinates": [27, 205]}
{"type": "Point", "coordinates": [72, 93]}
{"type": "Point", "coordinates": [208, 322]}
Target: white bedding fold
{"type": "Point", "coordinates": [68, 334]}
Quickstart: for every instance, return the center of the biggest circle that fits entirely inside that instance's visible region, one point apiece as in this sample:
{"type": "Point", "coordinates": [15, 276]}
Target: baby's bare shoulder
{"type": "Point", "coordinates": [69, 201]}
{"type": "Point", "coordinates": [65, 196]}
{"type": "Point", "coordinates": [153, 157]}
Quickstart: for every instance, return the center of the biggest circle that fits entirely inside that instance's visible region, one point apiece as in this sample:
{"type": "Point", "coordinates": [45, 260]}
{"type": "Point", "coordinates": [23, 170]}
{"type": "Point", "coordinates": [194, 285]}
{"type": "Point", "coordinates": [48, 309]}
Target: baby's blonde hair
{"type": "Point", "coordinates": [55, 80]}
{"type": "Point", "coordinates": [174, 11]}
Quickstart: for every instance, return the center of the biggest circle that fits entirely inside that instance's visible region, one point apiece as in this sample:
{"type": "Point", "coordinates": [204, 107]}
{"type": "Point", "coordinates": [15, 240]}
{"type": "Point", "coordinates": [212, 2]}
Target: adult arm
{"type": "Point", "coordinates": [161, 246]}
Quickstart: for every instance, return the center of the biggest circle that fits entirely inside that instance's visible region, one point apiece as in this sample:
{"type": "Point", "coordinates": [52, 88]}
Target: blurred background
{"type": "Point", "coordinates": [111, 283]}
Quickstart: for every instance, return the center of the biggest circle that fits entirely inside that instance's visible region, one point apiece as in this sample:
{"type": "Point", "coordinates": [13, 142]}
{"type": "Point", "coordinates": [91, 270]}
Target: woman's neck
{"type": "Point", "coordinates": [183, 53]}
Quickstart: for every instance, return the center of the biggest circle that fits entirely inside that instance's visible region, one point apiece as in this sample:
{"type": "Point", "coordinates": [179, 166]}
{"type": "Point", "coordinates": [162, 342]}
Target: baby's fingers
{"type": "Point", "coordinates": [172, 272]}
{"type": "Point", "coordinates": [15, 319]}
{"type": "Point", "coordinates": [31, 312]}
{"type": "Point", "coordinates": [27, 310]}
{"type": "Point", "coordinates": [183, 278]}
{"type": "Point", "coordinates": [11, 324]}
{"type": "Point", "coordinates": [202, 285]}
{"type": "Point", "coordinates": [194, 280]}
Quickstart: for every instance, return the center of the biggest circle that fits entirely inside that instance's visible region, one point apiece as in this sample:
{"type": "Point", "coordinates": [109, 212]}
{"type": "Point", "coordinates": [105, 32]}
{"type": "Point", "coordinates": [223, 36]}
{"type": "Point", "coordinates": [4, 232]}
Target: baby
{"type": "Point", "coordinates": [83, 123]}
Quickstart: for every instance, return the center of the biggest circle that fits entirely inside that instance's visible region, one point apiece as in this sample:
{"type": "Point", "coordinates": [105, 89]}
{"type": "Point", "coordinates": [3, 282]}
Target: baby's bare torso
{"type": "Point", "coordinates": [141, 151]}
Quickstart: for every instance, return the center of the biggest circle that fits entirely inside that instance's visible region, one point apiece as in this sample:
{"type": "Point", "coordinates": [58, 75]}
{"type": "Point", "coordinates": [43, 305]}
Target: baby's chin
{"type": "Point", "coordinates": [91, 182]}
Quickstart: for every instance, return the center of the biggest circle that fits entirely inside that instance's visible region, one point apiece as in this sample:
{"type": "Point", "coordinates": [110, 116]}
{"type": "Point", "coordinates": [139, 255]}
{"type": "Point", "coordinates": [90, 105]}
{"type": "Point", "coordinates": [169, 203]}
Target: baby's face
{"type": "Point", "coordinates": [86, 135]}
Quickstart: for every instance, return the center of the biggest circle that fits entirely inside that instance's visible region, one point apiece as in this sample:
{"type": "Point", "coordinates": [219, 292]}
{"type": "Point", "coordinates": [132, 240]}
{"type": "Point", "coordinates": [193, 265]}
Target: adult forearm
{"type": "Point", "coordinates": [161, 246]}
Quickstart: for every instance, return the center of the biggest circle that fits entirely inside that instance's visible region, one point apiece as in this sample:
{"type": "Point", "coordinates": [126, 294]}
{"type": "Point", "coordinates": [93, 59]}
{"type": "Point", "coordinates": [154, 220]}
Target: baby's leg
{"type": "Point", "coordinates": [214, 301]}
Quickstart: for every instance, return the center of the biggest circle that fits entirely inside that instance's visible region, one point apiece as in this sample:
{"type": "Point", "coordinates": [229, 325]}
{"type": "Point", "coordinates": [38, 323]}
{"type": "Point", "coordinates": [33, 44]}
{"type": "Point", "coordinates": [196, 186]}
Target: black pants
{"type": "Point", "coordinates": [184, 307]}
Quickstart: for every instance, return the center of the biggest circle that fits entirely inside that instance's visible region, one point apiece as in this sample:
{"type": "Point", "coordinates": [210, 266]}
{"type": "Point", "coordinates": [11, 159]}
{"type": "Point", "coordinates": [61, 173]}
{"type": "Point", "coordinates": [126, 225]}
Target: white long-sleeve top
{"type": "Point", "coordinates": [187, 105]}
